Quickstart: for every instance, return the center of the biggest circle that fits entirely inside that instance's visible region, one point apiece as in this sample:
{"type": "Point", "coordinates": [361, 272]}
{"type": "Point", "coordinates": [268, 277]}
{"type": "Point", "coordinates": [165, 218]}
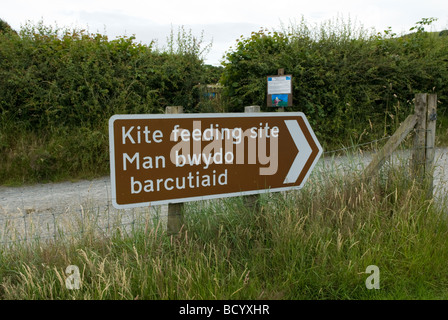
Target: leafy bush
{"type": "Point", "coordinates": [60, 83]}
{"type": "Point", "coordinates": [351, 84]}
{"type": "Point", "coordinates": [60, 86]}
{"type": "Point", "coordinates": [72, 78]}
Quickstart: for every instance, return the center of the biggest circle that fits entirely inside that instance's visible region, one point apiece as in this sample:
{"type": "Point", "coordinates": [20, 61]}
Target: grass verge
{"type": "Point", "coordinates": [315, 243]}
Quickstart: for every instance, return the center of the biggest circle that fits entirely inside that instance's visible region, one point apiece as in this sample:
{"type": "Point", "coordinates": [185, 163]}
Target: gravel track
{"type": "Point", "coordinates": [41, 210]}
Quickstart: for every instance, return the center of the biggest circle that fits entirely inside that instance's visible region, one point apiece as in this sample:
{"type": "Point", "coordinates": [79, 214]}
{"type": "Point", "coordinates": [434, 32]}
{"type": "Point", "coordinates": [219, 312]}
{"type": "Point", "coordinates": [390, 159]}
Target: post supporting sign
{"type": "Point", "coordinates": [174, 158]}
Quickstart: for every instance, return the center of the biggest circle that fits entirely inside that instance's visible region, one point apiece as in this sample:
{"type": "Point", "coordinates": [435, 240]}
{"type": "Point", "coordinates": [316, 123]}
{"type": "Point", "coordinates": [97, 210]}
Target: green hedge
{"type": "Point", "coordinates": [350, 83]}
{"type": "Point", "coordinates": [79, 79]}
{"type": "Point", "coordinates": [59, 87]}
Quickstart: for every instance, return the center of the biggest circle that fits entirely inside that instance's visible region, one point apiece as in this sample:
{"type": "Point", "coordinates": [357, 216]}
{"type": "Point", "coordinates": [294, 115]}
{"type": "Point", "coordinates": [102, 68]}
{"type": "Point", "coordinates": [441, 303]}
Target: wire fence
{"type": "Point", "coordinates": [354, 147]}
{"type": "Point", "coordinates": [30, 214]}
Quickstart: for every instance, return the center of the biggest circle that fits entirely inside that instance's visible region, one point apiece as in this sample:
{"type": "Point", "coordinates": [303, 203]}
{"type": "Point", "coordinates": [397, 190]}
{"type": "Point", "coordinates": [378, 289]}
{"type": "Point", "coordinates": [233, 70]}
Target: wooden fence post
{"type": "Point", "coordinates": [251, 201]}
{"type": "Point", "coordinates": [424, 142]}
{"type": "Point", "coordinates": [175, 210]}
{"type": "Point", "coordinates": [423, 121]}
{"type": "Point", "coordinates": [418, 153]}
{"type": "Point", "coordinates": [431, 118]}
{"type": "Point", "coordinates": [281, 72]}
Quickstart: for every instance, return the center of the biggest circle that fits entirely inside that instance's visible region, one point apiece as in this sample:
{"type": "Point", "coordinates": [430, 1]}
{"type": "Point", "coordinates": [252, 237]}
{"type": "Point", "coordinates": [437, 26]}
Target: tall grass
{"type": "Point", "coordinates": [315, 243]}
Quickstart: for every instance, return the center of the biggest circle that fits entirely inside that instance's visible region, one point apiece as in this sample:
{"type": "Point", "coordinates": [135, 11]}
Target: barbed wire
{"type": "Point", "coordinates": [356, 146]}
{"type": "Point", "coordinates": [46, 219]}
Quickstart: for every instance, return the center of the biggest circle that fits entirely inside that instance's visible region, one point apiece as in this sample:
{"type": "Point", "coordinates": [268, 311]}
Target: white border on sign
{"type": "Point", "coordinates": [198, 116]}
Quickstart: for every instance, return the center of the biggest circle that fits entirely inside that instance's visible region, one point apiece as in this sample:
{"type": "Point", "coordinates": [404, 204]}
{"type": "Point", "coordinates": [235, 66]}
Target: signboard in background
{"type": "Point", "coordinates": [279, 91]}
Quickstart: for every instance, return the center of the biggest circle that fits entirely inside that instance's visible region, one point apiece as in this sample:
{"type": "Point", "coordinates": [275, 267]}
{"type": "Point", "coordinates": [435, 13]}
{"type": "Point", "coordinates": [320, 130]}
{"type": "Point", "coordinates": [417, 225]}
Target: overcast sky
{"type": "Point", "coordinates": [221, 21]}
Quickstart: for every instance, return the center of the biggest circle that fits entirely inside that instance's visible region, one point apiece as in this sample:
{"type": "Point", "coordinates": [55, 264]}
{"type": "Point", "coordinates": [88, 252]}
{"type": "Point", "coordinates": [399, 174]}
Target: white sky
{"type": "Point", "coordinates": [221, 21]}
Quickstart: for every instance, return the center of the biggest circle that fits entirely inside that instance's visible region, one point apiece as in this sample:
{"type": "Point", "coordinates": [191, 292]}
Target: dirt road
{"type": "Point", "coordinates": [52, 202]}
{"type": "Point", "coordinates": [60, 196]}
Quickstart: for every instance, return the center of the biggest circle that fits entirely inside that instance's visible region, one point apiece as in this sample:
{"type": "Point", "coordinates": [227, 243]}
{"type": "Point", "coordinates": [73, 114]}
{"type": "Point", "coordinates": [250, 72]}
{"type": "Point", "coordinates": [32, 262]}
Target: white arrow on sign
{"type": "Point", "coordinates": [304, 152]}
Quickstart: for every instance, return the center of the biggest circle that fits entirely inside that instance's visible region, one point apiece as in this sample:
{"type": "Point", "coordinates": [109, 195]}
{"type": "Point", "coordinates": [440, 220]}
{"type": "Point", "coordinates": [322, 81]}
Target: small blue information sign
{"type": "Point", "coordinates": [279, 91]}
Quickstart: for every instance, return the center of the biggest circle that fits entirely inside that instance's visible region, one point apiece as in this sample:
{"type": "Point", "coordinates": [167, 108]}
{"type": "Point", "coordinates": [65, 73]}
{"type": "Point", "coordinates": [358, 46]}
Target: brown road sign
{"type": "Point", "coordinates": [169, 158]}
